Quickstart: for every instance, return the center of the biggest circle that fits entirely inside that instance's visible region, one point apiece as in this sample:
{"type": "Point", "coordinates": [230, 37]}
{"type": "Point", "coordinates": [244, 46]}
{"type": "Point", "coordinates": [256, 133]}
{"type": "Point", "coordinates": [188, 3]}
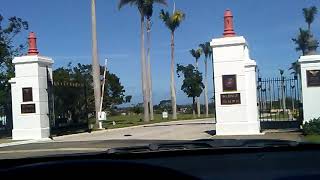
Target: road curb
{"type": "Point", "coordinates": [24, 142]}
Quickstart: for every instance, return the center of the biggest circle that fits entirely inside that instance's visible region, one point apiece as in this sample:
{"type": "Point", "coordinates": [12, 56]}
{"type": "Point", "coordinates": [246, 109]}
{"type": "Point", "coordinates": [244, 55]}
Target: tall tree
{"type": "Point", "coordinates": [309, 14]}
{"type": "Point", "coordinates": [192, 83]}
{"type": "Point", "coordinates": [305, 41]}
{"type": "Point", "coordinates": [207, 51]}
{"type": "Point", "coordinates": [95, 61]}
{"type": "Point", "coordinates": [148, 13]}
{"type": "Point", "coordinates": [172, 22]}
{"type": "Point", "coordinates": [140, 4]}
{"type": "Point", "coordinates": [302, 41]}
{"type": "Point", "coordinates": [196, 54]}
{"type": "Point", "coordinates": [68, 98]}
{"type": "Point", "coordinates": [9, 48]}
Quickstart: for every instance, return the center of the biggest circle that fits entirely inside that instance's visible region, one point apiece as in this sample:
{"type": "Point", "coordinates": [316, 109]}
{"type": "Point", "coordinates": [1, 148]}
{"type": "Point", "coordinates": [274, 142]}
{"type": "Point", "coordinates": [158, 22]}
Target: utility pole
{"type": "Point", "coordinates": [95, 61]}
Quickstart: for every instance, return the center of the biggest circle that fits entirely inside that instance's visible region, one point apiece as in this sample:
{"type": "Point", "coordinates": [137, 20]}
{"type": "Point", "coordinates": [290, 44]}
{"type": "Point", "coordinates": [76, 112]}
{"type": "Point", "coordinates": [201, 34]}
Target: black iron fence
{"type": "Point", "coordinates": [279, 101]}
{"type": "Point", "coordinates": [5, 120]}
{"type": "Point", "coordinates": [68, 107]}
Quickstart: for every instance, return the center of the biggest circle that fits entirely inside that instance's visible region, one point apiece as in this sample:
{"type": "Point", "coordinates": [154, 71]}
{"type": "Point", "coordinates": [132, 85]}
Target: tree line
{"type": "Point", "coordinates": [72, 83]}
{"type": "Point", "coordinates": [9, 48]}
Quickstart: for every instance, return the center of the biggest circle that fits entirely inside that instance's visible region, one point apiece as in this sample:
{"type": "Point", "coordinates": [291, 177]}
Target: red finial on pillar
{"type": "Point", "coordinates": [228, 24]}
{"type": "Point", "coordinates": [32, 41]}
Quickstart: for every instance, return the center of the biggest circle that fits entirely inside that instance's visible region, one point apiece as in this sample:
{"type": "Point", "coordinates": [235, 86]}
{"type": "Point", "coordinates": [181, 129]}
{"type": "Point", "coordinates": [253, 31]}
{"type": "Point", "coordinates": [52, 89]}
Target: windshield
{"type": "Point", "coordinates": [87, 76]}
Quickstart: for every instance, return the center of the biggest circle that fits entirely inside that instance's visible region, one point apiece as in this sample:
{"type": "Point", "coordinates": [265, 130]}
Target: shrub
{"type": "Point", "coordinates": [312, 127]}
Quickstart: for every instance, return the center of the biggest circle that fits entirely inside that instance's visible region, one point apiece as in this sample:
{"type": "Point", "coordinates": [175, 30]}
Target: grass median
{"type": "Point", "coordinates": [312, 138]}
{"type": "Point", "coordinates": [134, 120]}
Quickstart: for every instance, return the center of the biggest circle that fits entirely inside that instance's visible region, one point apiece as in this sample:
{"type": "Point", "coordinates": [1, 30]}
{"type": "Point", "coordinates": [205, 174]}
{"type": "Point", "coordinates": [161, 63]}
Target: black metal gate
{"type": "Point", "coordinates": [68, 109]}
{"type": "Point", "coordinates": [5, 120]}
{"type": "Point", "coordinates": [279, 102]}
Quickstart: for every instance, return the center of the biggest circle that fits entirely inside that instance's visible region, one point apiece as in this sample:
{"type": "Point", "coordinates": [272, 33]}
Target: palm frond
{"type": "Point", "coordinates": [281, 71]}
{"type": "Point", "coordinates": [309, 14]}
{"type": "Point", "coordinates": [148, 6]}
{"type": "Point", "coordinates": [125, 2]}
{"type": "Point", "coordinates": [314, 9]}
{"type": "Point", "coordinates": [138, 3]}
{"type": "Point", "coordinates": [196, 53]}
{"type": "Point", "coordinates": [177, 18]}
{"type": "Point", "coordinates": [192, 52]}
{"type": "Point", "coordinates": [172, 21]}
{"type": "Point", "coordinates": [164, 16]}
{"type": "Point", "coordinates": [302, 40]}
{"type": "Point", "coordinates": [163, 2]}
{"type": "Point", "coordinates": [206, 49]}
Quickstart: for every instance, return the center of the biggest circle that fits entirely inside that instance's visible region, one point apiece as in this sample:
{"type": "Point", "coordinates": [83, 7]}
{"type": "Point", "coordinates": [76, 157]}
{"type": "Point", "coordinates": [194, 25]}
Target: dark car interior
{"type": "Point", "coordinates": [194, 160]}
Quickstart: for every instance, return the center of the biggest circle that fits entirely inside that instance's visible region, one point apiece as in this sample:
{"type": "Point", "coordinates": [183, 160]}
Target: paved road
{"type": "Point", "coordinates": [142, 135]}
{"type": "Point", "coordinates": [178, 130]}
{"type": "Point", "coordinates": [102, 140]}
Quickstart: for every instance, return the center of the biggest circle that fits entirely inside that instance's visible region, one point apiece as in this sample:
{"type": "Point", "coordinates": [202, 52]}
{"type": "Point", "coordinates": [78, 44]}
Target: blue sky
{"type": "Point", "coordinates": [64, 33]}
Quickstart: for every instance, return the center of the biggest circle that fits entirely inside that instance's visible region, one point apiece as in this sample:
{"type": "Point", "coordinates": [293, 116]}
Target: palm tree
{"type": "Point", "coordinates": [172, 22]}
{"type": "Point", "coordinates": [283, 90]}
{"type": "Point", "coordinates": [207, 51]}
{"type": "Point", "coordinates": [309, 14]}
{"type": "Point", "coordinates": [148, 13]}
{"type": "Point", "coordinates": [196, 54]}
{"type": "Point", "coordinates": [140, 4]}
{"type": "Point", "coordinates": [213, 84]}
{"type": "Point", "coordinates": [295, 69]}
{"type": "Point", "coordinates": [95, 61]}
{"type": "Point", "coordinates": [302, 41]}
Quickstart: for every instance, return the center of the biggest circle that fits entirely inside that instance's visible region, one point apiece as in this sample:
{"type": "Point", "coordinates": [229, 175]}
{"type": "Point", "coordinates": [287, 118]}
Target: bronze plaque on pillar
{"type": "Point", "coordinates": [228, 99]}
{"type": "Point", "coordinates": [28, 108]}
{"type": "Point", "coordinates": [229, 82]}
{"type": "Point", "coordinates": [27, 94]}
{"type": "Point", "coordinates": [313, 78]}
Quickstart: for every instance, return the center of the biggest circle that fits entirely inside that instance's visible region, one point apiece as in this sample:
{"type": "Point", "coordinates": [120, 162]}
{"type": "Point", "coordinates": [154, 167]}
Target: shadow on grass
{"type": "Point", "coordinates": [177, 124]}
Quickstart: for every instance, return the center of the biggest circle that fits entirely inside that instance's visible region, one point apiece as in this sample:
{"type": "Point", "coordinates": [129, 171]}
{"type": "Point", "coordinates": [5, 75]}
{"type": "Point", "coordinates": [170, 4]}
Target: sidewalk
{"type": "Point", "coordinates": [5, 140]}
{"type": "Point", "coordinates": [290, 136]}
{"type": "Point", "coordinates": [22, 142]}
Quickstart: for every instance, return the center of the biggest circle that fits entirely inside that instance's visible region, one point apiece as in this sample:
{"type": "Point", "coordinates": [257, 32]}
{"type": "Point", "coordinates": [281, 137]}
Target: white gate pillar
{"type": "Point", "coordinates": [235, 84]}
{"type": "Point", "coordinates": [310, 84]}
{"type": "Point", "coordinates": [29, 94]}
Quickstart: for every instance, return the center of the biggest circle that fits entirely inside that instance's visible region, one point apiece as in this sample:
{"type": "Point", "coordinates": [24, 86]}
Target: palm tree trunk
{"type": "Point", "coordinates": [206, 87]}
{"type": "Point", "coordinates": [213, 87]}
{"type": "Point", "coordinates": [95, 61]}
{"type": "Point", "coordinates": [172, 83]}
{"type": "Point", "coordinates": [149, 69]}
{"type": "Point", "coordinates": [193, 108]}
{"type": "Point", "coordinates": [197, 98]}
{"type": "Point", "coordinates": [143, 74]}
{"type": "Point", "coordinates": [283, 98]}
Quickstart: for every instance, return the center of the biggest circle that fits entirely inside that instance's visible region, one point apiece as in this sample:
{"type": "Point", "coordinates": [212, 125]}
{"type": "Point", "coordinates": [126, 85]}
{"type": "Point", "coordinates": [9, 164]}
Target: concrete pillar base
{"type": "Point", "coordinates": [238, 128]}
{"type": "Point", "coordinates": [26, 134]}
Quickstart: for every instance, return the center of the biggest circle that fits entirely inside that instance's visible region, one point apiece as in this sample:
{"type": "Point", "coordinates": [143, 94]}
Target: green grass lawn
{"type": "Point", "coordinates": [276, 117]}
{"type": "Point", "coordinates": [312, 138]}
{"type": "Point", "coordinates": [134, 120]}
